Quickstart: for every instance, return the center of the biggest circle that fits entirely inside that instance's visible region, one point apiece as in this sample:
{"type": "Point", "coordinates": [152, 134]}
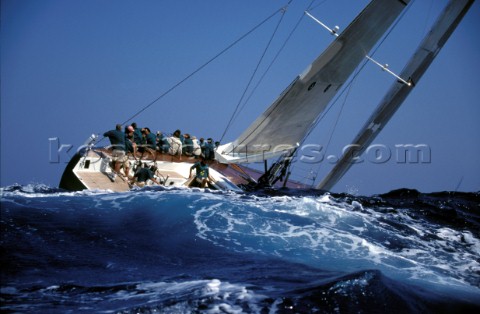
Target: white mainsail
{"type": "Point", "coordinates": [416, 67]}
{"type": "Point", "coordinates": [288, 120]}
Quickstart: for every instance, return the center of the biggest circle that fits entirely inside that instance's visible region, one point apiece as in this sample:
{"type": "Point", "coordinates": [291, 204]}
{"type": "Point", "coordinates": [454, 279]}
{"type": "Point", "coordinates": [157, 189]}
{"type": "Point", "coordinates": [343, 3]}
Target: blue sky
{"type": "Point", "coordinates": [70, 68]}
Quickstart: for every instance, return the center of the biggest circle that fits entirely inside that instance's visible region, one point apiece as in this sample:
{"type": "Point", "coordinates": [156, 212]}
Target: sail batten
{"type": "Point", "coordinates": [287, 121]}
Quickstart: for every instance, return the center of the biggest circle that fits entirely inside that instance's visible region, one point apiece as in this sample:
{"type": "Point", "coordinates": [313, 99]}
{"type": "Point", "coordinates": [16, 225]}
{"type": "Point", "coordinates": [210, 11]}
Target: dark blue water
{"type": "Point", "coordinates": [194, 251]}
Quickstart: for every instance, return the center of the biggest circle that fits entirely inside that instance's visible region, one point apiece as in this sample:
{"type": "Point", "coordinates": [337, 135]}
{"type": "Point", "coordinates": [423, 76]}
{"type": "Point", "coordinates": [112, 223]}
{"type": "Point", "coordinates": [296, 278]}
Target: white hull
{"type": "Point", "coordinates": [92, 171]}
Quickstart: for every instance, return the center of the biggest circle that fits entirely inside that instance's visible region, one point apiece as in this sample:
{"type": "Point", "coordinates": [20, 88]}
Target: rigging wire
{"type": "Point", "coordinates": [201, 67]}
{"type": "Point", "coordinates": [238, 108]}
{"type": "Point", "coordinates": [334, 127]}
{"type": "Point", "coordinates": [352, 80]}
{"type": "Point", "coordinates": [291, 165]}
{"type": "Point", "coordinates": [271, 64]}
{"type": "Point", "coordinates": [223, 51]}
{"type": "Point", "coordinates": [354, 76]}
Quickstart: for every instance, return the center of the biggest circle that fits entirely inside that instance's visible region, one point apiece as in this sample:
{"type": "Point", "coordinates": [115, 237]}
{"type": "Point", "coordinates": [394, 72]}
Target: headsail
{"type": "Point", "coordinates": [418, 64]}
{"type": "Point", "coordinates": [287, 121]}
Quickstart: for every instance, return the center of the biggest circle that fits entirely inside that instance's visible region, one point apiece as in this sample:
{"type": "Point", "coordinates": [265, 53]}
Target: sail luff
{"type": "Point", "coordinates": [286, 122]}
{"type": "Point", "coordinates": [398, 92]}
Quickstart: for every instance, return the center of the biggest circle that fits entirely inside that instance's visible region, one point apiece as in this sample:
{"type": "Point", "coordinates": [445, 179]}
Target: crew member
{"type": "Point", "coordinates": [151, 142]}
{"type": "Point", "coordinates": [117, 140]}
{"type": "Point", "coordinates": [143, 174]}
{"type": "Point", "coordinates": [202, 173]}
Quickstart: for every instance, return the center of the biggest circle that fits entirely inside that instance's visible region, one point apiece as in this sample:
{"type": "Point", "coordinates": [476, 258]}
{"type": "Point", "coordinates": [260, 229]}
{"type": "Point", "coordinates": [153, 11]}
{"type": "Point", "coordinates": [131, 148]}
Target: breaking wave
{"type": "Point", "coordinates": [174, 250]}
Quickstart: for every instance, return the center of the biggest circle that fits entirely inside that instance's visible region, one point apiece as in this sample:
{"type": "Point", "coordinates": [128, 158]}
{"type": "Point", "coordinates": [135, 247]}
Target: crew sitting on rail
{"type": "Point", "coordinates": [187, 148]}
{"type": "Point", "coordinates": [197, 151]}
{"type": "Point", "coordinates": [137, 134]}
{"type": "Point", "coordinates": [209, 150]}
{"type": "Point", "coordinates": [178, 144]}
{"type": "Point", "coordinates": [175, 144]}
{"type": "Point", "coordinates": [150, 142]}
{"type": "Point", "coordinates": [162, 143]}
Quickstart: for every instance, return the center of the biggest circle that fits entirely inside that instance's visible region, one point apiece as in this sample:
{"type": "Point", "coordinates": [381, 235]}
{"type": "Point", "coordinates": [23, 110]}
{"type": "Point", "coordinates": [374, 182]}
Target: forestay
{"type": "Point", "coordinates": [287, 121]}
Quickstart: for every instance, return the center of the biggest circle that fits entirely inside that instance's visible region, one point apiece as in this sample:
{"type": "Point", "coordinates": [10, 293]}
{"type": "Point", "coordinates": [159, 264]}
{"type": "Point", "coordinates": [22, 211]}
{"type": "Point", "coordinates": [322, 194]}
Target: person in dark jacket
{"type": "Point", "coordinates": [187, 146]}
{"type": "Point", "coordinates": [209, 152]}
{"type": "Point", "coordinates": [162, 142]}
{"type": "Point", "coordinates": [143, 175]}
{"type": "Point", "coordinates": [137, 134]}
{"type": "Point", "coordinates": [119, 158]}
{"type": "Point", "coordinates": [151, 142]}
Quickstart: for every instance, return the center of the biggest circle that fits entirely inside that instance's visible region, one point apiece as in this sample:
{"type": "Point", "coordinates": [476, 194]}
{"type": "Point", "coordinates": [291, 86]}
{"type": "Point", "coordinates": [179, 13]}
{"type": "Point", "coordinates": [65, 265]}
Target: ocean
{"type": "Point", "coordinates": [161, 250]}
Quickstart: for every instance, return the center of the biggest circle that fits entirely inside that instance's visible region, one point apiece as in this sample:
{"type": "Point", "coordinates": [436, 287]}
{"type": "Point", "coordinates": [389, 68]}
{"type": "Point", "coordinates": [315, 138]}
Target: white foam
{"type": "Point", "coordinates": [217, 296]}
{"type": "Point", "coordinates": [335, 235]}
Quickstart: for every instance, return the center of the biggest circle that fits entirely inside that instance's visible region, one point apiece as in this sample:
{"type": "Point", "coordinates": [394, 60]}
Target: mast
{"type": "Point", "coordinates": [415, 68]}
